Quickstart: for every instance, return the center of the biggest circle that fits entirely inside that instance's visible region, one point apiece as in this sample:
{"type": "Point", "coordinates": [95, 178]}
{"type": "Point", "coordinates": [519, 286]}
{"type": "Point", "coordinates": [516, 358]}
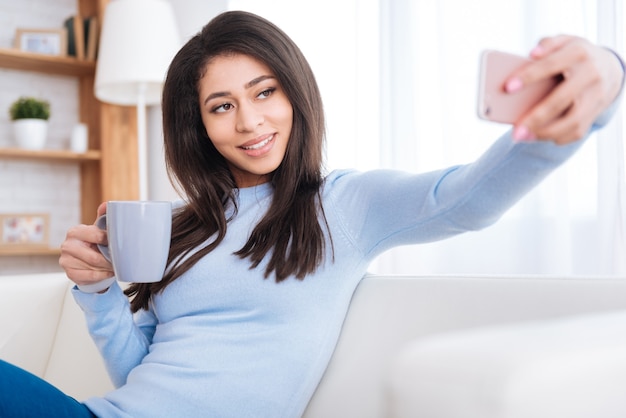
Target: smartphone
{"type": "Point", "coordinates": [496, 105]}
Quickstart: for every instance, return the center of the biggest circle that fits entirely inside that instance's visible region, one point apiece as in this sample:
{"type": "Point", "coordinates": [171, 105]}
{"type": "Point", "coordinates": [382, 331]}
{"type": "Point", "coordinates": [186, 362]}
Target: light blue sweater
{"type": "Point", "coordinates": [222, 341]}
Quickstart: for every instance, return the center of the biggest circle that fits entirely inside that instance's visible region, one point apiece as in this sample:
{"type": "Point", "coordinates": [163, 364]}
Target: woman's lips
{"type": "Point", "coordinates": [259, 146]}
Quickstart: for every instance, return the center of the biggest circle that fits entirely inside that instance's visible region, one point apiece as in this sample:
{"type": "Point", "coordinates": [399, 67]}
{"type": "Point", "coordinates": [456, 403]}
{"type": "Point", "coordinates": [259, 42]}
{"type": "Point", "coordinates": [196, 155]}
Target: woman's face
{"type": "Point", "coordinates": [246, 115]}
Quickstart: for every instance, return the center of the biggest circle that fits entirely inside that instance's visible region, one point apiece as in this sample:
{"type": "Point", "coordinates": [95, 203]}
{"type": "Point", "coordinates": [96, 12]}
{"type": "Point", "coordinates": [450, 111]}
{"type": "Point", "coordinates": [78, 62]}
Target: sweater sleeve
{"type": "Point", "coordinates": [381, 209]}
{"type": "Point", "coordinates": [121, 338]}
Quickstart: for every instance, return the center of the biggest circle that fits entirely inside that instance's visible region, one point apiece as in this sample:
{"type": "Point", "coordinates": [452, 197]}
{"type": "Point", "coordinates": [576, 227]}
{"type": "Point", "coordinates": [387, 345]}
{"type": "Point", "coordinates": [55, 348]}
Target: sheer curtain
{"type": "Point", "coordinates": [399, 80]}
{"type": "Point", "coordinates": [572, 224]}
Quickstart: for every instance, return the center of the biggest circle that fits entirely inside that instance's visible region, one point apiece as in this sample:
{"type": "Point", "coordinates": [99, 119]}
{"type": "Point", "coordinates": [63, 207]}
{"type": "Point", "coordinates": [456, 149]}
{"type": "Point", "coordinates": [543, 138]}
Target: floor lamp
{"type": "Point", "coordinates": [139, 38]}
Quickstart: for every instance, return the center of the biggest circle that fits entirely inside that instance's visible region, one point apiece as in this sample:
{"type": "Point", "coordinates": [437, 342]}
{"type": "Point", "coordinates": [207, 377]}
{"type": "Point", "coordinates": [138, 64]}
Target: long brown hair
{"type": "Point", "coordinates": [291, 227]}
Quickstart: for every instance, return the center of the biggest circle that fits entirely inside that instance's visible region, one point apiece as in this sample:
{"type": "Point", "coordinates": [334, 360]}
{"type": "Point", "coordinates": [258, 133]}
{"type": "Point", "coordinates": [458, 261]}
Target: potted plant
{"type": "Point", "coordinates": [30, 121]}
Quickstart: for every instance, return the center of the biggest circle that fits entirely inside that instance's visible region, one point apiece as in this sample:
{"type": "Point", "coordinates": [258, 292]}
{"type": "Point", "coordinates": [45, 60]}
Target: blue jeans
{"type": "Point", "coordinates": [24, 395]}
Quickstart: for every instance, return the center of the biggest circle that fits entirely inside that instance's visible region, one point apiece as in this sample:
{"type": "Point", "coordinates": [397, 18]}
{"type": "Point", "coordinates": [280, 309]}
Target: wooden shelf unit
{"type": "Point", "coordinates": [48, 155]}
{"type": "Point", "coordinates": [109, 170]}
{"type": "Point", "coordinates": [15, 59]}
{"type": "Point", "coordinates": [26, 251]}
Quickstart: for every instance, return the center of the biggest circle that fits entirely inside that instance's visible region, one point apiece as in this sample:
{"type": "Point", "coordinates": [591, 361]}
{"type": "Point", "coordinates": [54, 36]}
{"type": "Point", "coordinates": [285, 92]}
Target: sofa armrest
{"type": "Point", "coordinates": [30, 309]}
{"type": "Point", "coordinates": [44, 331]}
{"type": "Point", "coordinates": [570, 367]}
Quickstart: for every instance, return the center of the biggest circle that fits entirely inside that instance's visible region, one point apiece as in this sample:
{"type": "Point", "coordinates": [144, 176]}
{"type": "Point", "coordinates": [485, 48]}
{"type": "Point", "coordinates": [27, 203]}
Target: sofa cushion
{"type": "Point", "coordinates": [388, 312]}
{"type": "Point", "coordinates": [572, 367]}
{"type": "Point", "coordinates": [29, 317]}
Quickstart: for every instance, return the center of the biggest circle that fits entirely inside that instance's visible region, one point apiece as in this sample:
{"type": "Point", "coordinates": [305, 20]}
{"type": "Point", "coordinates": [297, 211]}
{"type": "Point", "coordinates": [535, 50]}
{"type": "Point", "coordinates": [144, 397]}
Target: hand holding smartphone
{"type": "Point", "coordinates": [494, 103]}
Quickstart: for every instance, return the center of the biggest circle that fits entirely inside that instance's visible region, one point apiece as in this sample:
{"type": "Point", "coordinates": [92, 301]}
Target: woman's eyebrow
{"type": "Point", "coordinates": [249, 84]}
{"type": "Point", "coordinates": [215, 96]}
{"type": "Point", "coordinates": [257, 80]}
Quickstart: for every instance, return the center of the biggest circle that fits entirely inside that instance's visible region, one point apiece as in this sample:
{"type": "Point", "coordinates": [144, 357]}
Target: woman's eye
{"type": "Point", "coordinates": [222, 108]}
{"type": "Point", "coordinates": [266, 93]}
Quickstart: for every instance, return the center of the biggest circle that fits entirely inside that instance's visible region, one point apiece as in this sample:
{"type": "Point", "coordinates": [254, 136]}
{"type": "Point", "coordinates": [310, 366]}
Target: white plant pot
{"type": "Point", "coordinates": [30, 133]}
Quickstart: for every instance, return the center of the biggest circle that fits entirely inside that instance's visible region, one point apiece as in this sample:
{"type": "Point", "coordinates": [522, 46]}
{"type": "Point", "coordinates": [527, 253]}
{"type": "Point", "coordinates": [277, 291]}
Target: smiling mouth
{"type": "Point", "coordinates": [258, 145]}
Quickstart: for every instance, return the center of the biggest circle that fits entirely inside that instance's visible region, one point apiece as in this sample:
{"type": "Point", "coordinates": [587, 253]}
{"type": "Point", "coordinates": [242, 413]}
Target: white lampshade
{"type": "Point", "coordinates": [139, 38]}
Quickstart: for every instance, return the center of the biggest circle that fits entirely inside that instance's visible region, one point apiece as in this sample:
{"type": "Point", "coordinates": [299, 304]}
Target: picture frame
{"type": "Point", "coordinates": [42, 41]}
{"type": "Point", "coordinates": [24, 230]}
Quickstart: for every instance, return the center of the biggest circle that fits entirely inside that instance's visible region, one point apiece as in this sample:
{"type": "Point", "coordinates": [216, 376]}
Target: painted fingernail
{"type": "Point", "coordinates": [522, 134]}
{"type": "Point", "coordinates": [537, 51]}
{"type": "Point", "coordinates": [513, 85]}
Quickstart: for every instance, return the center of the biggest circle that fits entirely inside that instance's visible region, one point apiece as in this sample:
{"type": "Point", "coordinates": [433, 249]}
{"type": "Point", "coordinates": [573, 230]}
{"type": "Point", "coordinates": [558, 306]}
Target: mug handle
{"type": "Point", "coordinates": [101, 223]}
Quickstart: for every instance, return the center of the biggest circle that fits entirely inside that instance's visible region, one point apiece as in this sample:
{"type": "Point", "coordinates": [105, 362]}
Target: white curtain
{"type": "Point", "coordinates": [612, 184]}
{"type": "Point", "coordinates": [399, 80]}
{"type": "Point", "coordinates": [573, 223]}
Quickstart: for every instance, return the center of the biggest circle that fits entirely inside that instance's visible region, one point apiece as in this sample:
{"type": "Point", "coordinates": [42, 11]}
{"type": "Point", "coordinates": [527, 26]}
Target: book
{"type": "Point", "coordinates": [75, 36]}
{"type": "Point", "coordinates": [68, 24]}
{"type": "Point", "coordinates": [79, 36]}
{"type": "Point", "coordinates": [92, 32]}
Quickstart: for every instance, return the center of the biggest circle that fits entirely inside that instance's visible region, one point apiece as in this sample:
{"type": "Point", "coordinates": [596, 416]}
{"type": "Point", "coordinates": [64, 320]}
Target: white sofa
{"type": "Point", "coordinates": [434, 347]}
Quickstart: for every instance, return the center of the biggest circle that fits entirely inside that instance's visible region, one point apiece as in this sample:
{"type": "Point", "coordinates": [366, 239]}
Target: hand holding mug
{"type": "Point", "coordinates": [138, 235]}
{"type": "Point", "coordinates": [80, 258]}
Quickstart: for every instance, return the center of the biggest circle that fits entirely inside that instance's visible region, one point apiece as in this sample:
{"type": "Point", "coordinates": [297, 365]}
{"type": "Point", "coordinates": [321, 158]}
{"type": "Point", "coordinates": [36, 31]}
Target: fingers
{"type": "Point", "coordinates": [90, 235]}
{"type": "Point", "coordinates": [101, 209]}
{"type": "Point", "coordinates": [548, 45]}
{"type": "Point", "coordinates": [571, 107]}
{"type": "Point", "coordinates": [551, 59]}
{"type": "Point", "coordinates": [565, 130]}
{"type": "Point", "coordinates": [80, 258]}
{"type": "Point", "coordinates": [591, 78]}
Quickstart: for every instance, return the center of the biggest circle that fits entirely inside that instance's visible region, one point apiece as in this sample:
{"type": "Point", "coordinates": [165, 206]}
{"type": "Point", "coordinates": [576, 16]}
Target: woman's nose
{"type": "Point", "coordinates": [248, 118]}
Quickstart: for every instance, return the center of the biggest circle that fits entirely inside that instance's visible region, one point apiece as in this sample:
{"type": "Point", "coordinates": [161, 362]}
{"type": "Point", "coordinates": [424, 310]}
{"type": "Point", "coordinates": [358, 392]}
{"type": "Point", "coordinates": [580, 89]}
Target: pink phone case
{"type": "Point", "coordinates": [494, 104]}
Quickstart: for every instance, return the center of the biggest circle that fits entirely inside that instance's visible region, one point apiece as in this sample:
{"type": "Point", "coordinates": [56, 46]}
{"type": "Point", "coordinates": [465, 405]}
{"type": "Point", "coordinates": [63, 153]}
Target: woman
{"type": "Point", "coordinates": [266, 251]}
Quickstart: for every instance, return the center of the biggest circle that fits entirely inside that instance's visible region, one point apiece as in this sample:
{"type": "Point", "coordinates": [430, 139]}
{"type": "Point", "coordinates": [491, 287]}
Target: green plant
{"type": "Point", "coordinates": [29, 108]}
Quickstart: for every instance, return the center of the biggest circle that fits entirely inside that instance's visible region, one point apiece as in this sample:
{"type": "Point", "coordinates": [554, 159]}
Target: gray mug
{"type": "Point", "coordinates": [139, 235]}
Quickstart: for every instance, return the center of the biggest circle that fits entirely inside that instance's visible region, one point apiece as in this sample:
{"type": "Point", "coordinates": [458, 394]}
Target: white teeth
{"type": "Point", "coordinates": [260, 144]}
